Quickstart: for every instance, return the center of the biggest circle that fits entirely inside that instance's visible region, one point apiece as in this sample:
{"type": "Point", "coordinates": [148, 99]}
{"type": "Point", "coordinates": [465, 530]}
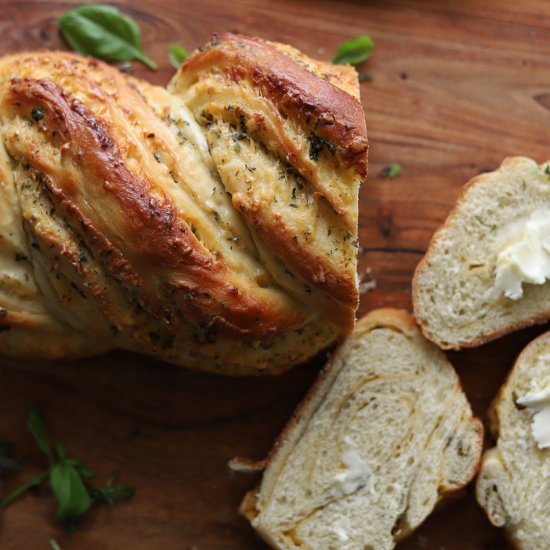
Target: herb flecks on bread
{"type": "Point", "coordinates": [213, 225]}
{"type": "Point", "coordinates": [384, 434]}
{"type": "Point", "coordinates": [484, 273]}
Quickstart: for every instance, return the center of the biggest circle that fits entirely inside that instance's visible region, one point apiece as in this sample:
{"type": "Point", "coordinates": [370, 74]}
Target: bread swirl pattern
{"type": "Point", "coordinates": [514, 481]}
{"type": "Point", "coordinates": [384, 434]}
{"type": "Point", "coordinates": [134, 217]}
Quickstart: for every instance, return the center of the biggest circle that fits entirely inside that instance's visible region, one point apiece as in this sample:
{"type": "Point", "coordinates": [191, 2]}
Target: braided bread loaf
{"type": "Point", "coordinates": [212, 225]}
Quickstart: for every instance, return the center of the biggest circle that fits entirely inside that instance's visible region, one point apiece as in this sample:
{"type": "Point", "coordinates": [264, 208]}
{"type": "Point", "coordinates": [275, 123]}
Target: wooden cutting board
{"type": "Point", "coordinates": [457, 85]}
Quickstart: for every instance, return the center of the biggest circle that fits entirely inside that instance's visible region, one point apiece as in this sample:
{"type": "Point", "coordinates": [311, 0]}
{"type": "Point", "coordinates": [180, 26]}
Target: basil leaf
{"type": "Point", "coordinates": [34, 423]}
{"type": "Point", "coordinates": [73, 499]}
{"type": "Point", "coordinates": [177, 55]}
{"type": "Point", "coordinates": [104, 32]}
{"type": "Point", "coordinates": [354, 51]}
{"type": "Point", "coordinates": [392, 170]}
{"type": "Point", "coordinates": [54, 545]}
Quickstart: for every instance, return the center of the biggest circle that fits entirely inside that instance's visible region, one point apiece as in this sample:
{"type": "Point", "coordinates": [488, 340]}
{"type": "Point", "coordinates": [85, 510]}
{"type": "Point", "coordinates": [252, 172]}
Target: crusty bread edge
{"type": "Point", "coordinates": [379, 318]}
{"type": "Point", "coordinates": [454, 213]}
{"type": "Point", "coordinates": [494, 426]}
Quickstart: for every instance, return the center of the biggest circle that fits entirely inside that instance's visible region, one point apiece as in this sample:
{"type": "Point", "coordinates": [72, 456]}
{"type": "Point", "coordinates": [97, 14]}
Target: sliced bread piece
{"type": "Point", "coordinates": [514, 483]}
{"type": "Point", "coordinates": [486, 268]}
{"type": "Point", "coordinates": [383, 435]}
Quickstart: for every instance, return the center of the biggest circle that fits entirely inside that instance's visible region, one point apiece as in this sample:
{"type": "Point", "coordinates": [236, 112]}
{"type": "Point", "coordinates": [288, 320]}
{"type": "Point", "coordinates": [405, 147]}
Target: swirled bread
{"type": "Point", "coordinates": [384, 434]}
{"type": "Point", "coordinates": [122, 228]}
{"type": "Point", "coordinates": [456, 300]}
{"type": "Point", "coordinates": [514, 482]}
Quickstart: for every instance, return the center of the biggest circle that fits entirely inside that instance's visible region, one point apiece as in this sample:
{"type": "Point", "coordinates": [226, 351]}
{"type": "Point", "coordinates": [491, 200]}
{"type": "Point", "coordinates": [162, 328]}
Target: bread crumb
{"type": "Point", "coordinates": [367, 281]}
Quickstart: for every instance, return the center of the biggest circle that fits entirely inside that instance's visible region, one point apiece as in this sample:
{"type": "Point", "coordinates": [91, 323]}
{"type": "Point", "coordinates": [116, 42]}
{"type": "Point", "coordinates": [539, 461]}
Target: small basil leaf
{"type": "Point", "coordinates": [392, 170]}
{"type": "Point", "coordinates": [54, 545]}
{"type": "Point", "coordinates": [177, 55]}
{"type": "Point", "coordinates": [73, 499]}
{"type": "Point", "coordinates": [103, 32]}
{"type": "Point", "coordinates": [34, 423]}
{"type": "Point", "coordinates": [354, 51]}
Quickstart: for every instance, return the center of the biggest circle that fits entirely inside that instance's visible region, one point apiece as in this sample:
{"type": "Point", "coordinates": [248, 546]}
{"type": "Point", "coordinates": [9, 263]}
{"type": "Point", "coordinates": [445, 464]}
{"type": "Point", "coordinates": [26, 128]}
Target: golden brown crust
{"type": "Point", "coordinates": [153, 233]}
{"type": "Point", "coordinates": [285, 102]}
{"type": "Point", "coordinates": [171, 269]}
{"type": "Point", "coordinates": [312, 267]}
{"type": "Point", "coordinates": [317, 104]}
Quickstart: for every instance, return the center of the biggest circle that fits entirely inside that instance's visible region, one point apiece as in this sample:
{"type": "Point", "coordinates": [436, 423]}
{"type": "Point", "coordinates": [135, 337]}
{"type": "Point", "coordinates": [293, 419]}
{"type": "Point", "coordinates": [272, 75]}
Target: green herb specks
{"type": "Point", "coordinates": [316, 146]}
{"type": "Point", "coordinates": [37, 114]}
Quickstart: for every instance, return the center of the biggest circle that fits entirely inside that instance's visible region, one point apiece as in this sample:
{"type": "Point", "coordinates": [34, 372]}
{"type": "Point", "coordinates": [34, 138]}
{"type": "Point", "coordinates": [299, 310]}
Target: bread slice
{"type": "Point", "coordinates": [383, 435]}
{"type": "Point", "coordinates": [455, 298]}
{"type": "Point", "coordinates": [514, 483]}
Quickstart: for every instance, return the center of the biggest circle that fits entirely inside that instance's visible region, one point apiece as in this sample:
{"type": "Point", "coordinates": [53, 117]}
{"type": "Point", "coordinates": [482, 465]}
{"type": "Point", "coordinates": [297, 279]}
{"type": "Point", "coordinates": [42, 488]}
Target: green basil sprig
{"type": "Point", "coordinates": [67, 477]}
{"type": "Point", "coordinates": [177, 55]}
{"type": "Point", "coordinates": [354, 51]}
{"type": "Point", "coordinates": [102, 31]}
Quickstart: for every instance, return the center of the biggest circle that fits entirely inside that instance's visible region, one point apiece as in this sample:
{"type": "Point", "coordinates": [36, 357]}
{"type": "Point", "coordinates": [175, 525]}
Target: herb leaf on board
{"type": "Point", "coordinates": [177, 55]}
{"type": "Point", "coordinates": [73, 499]}
{"type": "Point", "coordinates": [67, 478]}
{"type": "Point", "coordinates": [392, 170]}
{"type": "Point", "coordinates": [354, 51]}
{"type": "Point", "coordinates": [102, 31]}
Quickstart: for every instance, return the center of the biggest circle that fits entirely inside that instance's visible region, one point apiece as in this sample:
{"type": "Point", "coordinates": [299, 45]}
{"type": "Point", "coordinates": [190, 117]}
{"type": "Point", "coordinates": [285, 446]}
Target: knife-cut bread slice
{"type": "Point", "coordinates": [514, 483]}
{"type": "Point", "coordinates": [455, 299]}
{"type": "Point", "coordinates": [383, 435]}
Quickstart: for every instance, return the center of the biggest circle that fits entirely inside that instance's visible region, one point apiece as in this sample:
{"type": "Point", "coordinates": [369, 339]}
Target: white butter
{"type": "Point", "coordinates": [341, 529]}
{"type": "Point", "coordinates": [357, 474]}
{"type": "Point", "coordinates": [538, 403]}
{"type": "Point", "coordinates": [524, 254]}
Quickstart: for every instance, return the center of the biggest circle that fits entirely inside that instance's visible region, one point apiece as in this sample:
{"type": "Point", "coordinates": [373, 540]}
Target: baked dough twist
{"type": "Point", "coordinates": [212, 225]}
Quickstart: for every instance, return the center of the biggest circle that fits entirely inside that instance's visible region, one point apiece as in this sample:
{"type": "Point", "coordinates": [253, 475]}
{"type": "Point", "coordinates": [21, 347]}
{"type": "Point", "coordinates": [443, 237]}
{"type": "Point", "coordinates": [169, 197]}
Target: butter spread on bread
{"type": "Point", "coordinates": [524, 254]}
{"type": "Point", "coordinates": [538, 405]}
{"type": "Point", "coordinates": [384, 434]}
{"type": "Point", "coordinates": [213, 225]}
{"type": "Point", "coordinates": [484, 273]}
{"type": "Point", "coordinates": [514, 482]}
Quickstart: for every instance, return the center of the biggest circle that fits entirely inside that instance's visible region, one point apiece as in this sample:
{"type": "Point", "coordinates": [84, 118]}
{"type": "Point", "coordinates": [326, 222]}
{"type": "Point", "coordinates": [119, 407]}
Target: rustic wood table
{"type": "Point", "coordinates": [457, 85]}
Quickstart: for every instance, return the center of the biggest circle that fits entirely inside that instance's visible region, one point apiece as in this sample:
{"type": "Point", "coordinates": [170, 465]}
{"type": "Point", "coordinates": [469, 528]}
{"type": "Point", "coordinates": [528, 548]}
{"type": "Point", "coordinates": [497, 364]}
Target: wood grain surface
{"type": "Point", "coordinates": [457, 86]}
